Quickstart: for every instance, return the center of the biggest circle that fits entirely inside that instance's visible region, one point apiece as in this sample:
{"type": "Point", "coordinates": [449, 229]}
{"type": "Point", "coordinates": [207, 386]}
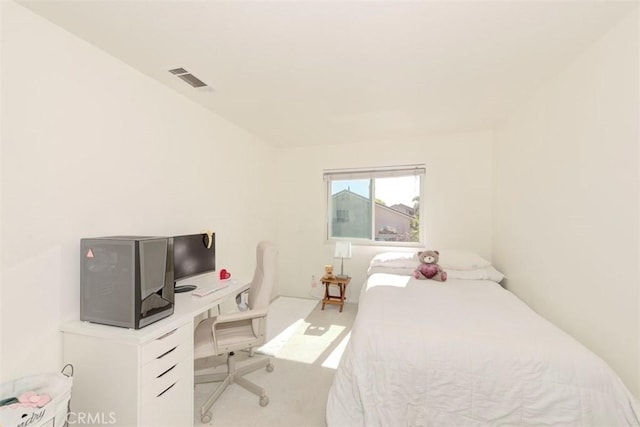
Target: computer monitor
{"type": "Point", "coordinates": [193, 255]}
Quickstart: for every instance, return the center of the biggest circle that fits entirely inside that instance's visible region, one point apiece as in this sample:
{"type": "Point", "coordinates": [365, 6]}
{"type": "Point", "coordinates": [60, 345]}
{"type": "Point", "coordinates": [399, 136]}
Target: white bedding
{"type": "Point", "coordinates": [467, 352]}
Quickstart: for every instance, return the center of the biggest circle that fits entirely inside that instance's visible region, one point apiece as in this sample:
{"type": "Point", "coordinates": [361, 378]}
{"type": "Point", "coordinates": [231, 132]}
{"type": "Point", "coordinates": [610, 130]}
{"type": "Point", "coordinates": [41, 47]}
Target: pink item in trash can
{"type": "Point", "coordinates": [31, 398]}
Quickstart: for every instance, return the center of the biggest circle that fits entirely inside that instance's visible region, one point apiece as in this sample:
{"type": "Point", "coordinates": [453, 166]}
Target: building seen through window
{"type": "Point", "coordinates": [379, 205]}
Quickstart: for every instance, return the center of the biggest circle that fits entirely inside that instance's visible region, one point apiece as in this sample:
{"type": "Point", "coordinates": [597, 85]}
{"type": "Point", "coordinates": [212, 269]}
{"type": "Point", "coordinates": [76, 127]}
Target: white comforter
{"type": "Point", "coordinates": [467, 352]}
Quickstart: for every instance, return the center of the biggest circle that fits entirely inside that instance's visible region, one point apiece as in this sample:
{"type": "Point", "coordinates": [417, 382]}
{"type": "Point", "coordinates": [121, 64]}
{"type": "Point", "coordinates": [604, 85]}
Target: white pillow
{"type": "Point", "coordinates": [395, 260]}
{"type": "Point", "coordinates": [485, 273]}
{"type": "Point", "coordinates": [459, 264]}
{"type": "Point", "coordinates": [401, 271]}
{"type": "Point", "coordinates": [452, 259]}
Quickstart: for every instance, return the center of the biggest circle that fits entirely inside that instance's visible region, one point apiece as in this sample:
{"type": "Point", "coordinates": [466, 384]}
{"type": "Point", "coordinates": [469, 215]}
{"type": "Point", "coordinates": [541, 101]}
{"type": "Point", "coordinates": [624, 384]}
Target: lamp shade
{"type": "Point", "coordinates": [343, 250]}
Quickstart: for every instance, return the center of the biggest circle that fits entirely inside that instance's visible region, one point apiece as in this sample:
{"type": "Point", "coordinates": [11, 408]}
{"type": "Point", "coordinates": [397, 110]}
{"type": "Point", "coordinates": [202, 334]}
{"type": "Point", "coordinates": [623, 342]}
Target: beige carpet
{"type": "Point", "coordinates": [285, 315]}
{"type": "Point", "coordinates": [305, 353]}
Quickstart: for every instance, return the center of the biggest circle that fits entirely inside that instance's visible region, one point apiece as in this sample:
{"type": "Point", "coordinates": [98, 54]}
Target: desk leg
{"type": "Point", "coordinates": [342, 292]}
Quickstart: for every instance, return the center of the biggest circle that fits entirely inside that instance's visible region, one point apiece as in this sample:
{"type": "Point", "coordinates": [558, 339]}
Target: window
{"type": "Point", "coordinates": [375, 205]}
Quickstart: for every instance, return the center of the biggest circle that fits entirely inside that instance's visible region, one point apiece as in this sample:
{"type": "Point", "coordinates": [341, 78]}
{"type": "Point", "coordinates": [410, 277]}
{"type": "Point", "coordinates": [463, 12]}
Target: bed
{"type": "Point", "coordinates": [466, 352]}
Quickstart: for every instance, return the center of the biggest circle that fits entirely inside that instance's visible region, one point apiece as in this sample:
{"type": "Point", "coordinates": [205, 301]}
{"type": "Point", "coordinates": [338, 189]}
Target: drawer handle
{"type": "Point", "coordinates": [167, 389]}
{"type": "Point", "coordinates": [167, 370]}
{"type": "Point", "coordinates": [164, 354]}
{"type": "Point", "coordinates": [167, 334]}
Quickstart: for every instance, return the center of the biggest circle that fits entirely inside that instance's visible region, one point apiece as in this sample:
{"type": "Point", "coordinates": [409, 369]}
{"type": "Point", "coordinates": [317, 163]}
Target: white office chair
{"type": "Point", "coordinates": [226, 333]}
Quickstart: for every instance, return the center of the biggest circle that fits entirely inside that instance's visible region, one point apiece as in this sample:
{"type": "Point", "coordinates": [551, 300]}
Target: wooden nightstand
{"type": "Point", "coordinates": [341, 283]}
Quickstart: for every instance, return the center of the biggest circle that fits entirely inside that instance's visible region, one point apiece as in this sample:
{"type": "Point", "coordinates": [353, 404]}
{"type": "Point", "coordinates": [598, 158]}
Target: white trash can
{"type": "Point", "coordinates": [53, 414]}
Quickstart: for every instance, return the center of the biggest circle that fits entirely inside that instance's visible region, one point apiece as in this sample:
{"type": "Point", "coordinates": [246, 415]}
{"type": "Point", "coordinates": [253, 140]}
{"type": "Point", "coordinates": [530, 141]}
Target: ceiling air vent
{"type": "Point", "coordinates": [188, 77]}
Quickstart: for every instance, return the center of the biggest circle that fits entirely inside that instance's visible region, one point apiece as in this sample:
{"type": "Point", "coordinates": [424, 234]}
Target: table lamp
{"type": "Point", "coordinates": [343, 250]}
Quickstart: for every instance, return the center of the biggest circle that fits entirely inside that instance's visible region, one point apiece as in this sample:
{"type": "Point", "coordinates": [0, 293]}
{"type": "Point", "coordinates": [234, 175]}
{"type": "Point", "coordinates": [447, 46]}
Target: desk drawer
{"type": "Point", "coordinates": [155, 388]}
{"type": "Point", "coordinates": [168, 401]}
{"type": "Point", "coordinates": [165, 344]}
{"type": "Point", "coordinates": [160, 366]}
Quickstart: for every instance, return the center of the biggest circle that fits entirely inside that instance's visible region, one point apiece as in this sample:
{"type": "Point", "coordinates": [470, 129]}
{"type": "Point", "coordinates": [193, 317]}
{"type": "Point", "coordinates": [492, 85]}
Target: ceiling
{"type": "Point", "coordinates": [299, 73]}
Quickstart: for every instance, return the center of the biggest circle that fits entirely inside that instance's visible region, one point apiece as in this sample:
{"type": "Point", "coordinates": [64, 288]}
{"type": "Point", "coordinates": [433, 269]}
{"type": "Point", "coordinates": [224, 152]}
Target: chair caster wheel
{"type": "Point", "coordinates": [264, 401]}
{"type": "Point", "coordinates": [205, 418]}
{"type": "Point", "coordinates": [270, 367]}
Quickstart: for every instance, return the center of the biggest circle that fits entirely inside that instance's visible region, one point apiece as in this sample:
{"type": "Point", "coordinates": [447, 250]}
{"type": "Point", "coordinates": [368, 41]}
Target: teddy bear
{"type": "Point", "coordinates": [429, 268]}
{"type": "Point", "coordinates": [328, 272]}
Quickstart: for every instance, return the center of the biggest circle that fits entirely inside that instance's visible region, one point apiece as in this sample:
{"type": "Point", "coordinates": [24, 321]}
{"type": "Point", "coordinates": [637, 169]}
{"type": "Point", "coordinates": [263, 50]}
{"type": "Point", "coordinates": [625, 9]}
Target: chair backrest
{"type": "Point", "coordinates": [264, 276]}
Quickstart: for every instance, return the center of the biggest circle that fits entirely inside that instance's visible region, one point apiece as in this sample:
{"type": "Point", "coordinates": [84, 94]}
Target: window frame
{"type": "Point", "coordinates": [373, 173]}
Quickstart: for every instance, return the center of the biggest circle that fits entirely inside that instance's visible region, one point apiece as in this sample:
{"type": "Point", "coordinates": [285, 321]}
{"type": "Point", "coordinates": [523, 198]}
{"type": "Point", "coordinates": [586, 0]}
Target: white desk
{"type": "Point", "coordinates": [138, 378]}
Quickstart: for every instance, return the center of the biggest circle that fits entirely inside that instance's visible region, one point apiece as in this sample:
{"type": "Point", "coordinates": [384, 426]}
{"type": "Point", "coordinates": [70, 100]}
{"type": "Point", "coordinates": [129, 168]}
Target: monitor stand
{"type": "Point", "coordinates": [184, 288]}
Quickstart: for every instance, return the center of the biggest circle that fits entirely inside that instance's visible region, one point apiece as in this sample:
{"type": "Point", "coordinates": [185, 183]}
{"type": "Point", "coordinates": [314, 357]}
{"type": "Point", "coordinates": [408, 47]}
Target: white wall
{"type": "Point", "coordinates": [90, 147]}
{"type": "Point", "coordinates": [457, 201]}
{"type": "Point", "coordinates": [566, 211]}
{"type": "Point", "coordinates": [1, 174]}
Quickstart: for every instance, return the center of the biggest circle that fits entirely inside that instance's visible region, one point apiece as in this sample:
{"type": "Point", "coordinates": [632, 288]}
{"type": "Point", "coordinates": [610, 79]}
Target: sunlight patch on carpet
{"type": "Point", "coordinates": [293, 333]}
{"type": "Point", "coordinates": [334, 358]}
{"type": "Point", "coordinates": [272, 347]}
{"type": "Point", "coordinates": [302, 342]}
{"type": "Point", "coordinates": [284, 312]}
